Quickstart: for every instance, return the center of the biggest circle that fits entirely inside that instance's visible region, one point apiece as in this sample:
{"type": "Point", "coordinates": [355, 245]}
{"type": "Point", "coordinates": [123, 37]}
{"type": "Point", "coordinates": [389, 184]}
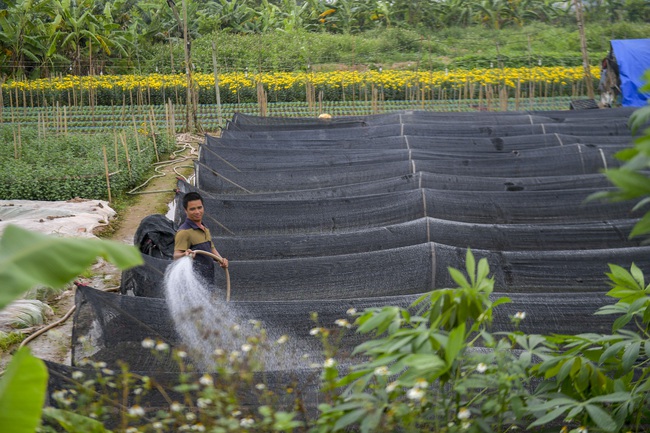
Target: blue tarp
{"type": "Point", "coordinates": [633, 58]}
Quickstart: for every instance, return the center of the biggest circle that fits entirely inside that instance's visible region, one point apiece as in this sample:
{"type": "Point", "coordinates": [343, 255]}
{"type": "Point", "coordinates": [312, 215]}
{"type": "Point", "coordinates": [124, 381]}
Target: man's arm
{"type": "Point", "coordinates": [224, 263]}
{"type": "Point", "coordinates": [178, 254]}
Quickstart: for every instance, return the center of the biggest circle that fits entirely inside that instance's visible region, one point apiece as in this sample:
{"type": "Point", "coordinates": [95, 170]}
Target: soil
{"type": "Point", "coordinates": [55, 344]}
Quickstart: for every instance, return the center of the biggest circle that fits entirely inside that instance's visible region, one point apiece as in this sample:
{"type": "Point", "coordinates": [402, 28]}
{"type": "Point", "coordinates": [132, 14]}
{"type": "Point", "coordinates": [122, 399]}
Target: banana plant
{"type": "Point", "coordinates": [23, 32]}
{"type": "Point", "coordinates": [28, 259]}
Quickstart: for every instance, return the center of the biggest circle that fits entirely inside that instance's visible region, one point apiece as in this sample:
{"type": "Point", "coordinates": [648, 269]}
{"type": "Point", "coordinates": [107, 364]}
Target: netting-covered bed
{"type": "Point", "coordinates": [318, 216]}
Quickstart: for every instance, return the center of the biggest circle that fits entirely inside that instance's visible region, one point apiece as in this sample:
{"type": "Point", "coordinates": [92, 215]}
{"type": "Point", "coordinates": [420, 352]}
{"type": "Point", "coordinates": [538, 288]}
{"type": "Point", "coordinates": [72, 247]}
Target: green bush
{"type": "Point", "coordinates": [64, 166]}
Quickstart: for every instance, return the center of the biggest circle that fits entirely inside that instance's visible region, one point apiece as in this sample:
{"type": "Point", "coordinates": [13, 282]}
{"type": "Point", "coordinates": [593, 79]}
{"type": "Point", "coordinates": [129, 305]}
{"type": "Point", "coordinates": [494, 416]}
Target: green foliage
{"type": "Point", "coordinates": [40, 168]}
{"type": "Point", "coordinates": [631, 178]}
{"type": "Point", "coordinates": [73, 422]}
{"type": "Point", "coordinates": [602, 380]}
{"type": "Point", "coordinates": [422, 372]}
{"type": "Point", "coordinates": [38, 38]}
{"type": "Point", "coordinates": [97, 396]}
{"type": "Point", "coordinates": [22, 393]}
{"type": "Point", "coordinates": [28, 259]}
{"type": "Point", "coordinates": [10, 339]}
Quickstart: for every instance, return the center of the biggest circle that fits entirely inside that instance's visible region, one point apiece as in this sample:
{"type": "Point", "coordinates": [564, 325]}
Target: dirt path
{"type": "Point", "coordinates": [55, 344]}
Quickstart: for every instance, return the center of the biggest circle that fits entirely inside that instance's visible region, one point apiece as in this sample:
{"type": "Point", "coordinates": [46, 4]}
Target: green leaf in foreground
{"type": "Point", "coordinates": [29, 258]}
{"type": "Point", "coordinates": [22, 393]}
{"type": "Point", "coordinates": [73, 422]}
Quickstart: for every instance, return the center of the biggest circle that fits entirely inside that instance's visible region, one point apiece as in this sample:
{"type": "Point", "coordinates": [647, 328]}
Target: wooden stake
{"type": "Point", "coordinates": [153, 135]}
{"type": "Point", "coordinates": [135, 131]}
{"type": "Point", "coordinates": [583, 47]}
{"type": "Point", "coordinates": [117, 160]}
{"type": "Point", "coordinates": [15, 144]}
{"type": "Point", "coordinates": [126, 152]}
{"type": "Point", "coordinates": [216, 84]}
{"type": "Point", "coordinates": [108, 179]}
{"type": "Point", "coordinates": [2, 99]}
{"type": "Point", "coordinates": [172, 110]}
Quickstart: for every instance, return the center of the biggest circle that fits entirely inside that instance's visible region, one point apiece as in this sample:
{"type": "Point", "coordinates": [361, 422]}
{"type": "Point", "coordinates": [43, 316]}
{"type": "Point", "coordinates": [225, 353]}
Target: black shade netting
{"type": "Point", "coordinates": [509, 117]}
{"type": "Point", "coordinates": [215, 186]}
{"type": "Point", "coordinates": [438, 142]}
{"type": "Point", "coordinates": [595, 127]}
{"type": "Point", "coordinates": [120, 339]}
{"type": "Point", "coordinates": [398, 271]}
{"type": "Point", "coordinates": [226, 179]}
{"type": "Point", "coordinates": [498, 237]}
{"type": "Point", "coordinates": [244, 217]}
{"type": "Point", "coordinates": [251, 159]}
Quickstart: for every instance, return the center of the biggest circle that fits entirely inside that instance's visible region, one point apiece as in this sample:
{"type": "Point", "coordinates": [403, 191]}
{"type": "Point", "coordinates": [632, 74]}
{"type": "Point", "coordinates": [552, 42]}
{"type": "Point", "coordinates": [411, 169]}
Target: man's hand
{"type": "Point", "coordinates": [224, 263]}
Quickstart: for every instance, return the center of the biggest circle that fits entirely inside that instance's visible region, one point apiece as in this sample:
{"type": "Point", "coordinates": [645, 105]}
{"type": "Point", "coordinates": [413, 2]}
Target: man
{"type": "Point", "coordinates": [192, 236]}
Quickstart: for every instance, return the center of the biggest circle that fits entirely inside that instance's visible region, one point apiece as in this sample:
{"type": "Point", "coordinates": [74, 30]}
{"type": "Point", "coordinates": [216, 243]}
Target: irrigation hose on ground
{"type": "Point", "coordinates": [46, 328]}
{"type": "Point", "coordinates": [220, 260]}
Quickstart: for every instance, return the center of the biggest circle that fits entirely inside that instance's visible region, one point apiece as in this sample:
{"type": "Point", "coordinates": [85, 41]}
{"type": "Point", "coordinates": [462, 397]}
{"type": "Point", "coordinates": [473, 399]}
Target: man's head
{"type": "Point", "coordinates": [193, 205]}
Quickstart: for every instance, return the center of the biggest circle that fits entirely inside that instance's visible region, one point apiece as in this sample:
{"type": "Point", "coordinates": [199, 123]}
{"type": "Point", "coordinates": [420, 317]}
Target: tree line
{"type": "Point", "coordinates": [39, 38]}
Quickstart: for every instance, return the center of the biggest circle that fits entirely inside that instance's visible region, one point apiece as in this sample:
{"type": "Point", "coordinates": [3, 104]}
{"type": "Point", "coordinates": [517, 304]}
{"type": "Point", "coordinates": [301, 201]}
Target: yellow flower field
{"type": "Point", "coordinates": [277, 81]}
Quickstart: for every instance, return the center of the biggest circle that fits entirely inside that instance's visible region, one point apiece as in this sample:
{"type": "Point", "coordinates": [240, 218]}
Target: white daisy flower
{"type": "Point", "coordinates": [392, 386]}
{"type": "Point", "coordinates": [415, 393]}
{"type": "Point", "coordinates": [161, 346]}
{"type": "Point", "coordinates": [381, 371]}
{"type": "Point", "coordinates": [463, 413]}
{"type": "Point", "coordinates": [203, 402]}
{"type": "Point", "coordinates": [247, 422]}
{"type": "Point", "coordinates": [421, 383]}
{"type": "Point", "coordinates": [206, 380]}
{"type": "Point", "coordinates": [343, 323]}
{"type": "Point", "coordinates": [136, 410]}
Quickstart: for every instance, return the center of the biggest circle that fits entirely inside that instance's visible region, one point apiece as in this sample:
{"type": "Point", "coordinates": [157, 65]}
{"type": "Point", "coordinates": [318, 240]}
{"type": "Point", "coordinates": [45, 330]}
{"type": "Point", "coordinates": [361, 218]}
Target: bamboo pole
{"type": "Point", "coordinates": [153, 135]}
{"type": "Point", "coordinates": [117, 160]}
{"type": "Point", "coordinates": [503, 98]}
{"type": "Point", "coordinates": [15, 144]}
{"type": "Point", "coordinates": [583, 47]}
{"type": "Point", "coordinates": [135, 131]}
{"type": "Point", "coordinates": [261, 99]}
{"type": "Point", "coordinates": [216, 84]}
{"type": "Point", "coordinates": [172, 110]}
{"type": "Point", "coordinates": [126, 152]}
{"type": "Point", "coordinates": [65, 121]}
{"type": "Point", "coordinates": [2, 98]}
{"type": "Point", "coordinates": [517, 94]}
{"type": "Point", "coordinates": [167, 118]}
{"type": "Point", "coordinates": [58, 118]}
{"type": "Point", "coordinates": [108, 179]}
